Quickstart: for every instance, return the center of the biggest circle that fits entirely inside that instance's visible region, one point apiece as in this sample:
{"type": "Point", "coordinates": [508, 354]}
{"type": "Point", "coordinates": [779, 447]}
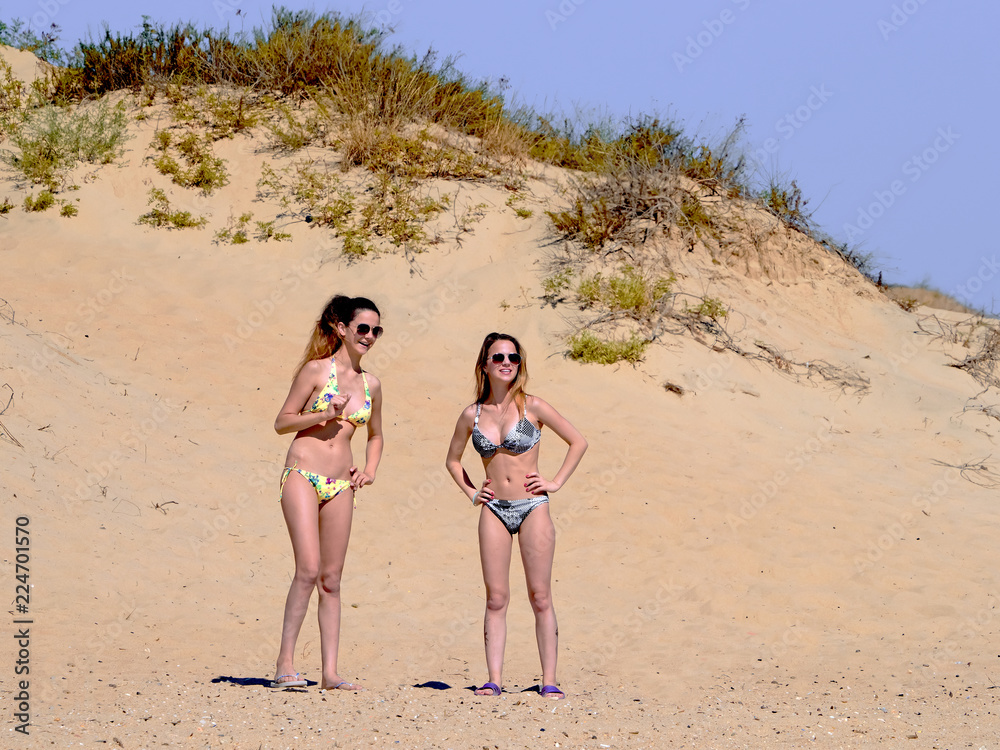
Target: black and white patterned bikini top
{"type": "Point", "coordinates": [522, 437]}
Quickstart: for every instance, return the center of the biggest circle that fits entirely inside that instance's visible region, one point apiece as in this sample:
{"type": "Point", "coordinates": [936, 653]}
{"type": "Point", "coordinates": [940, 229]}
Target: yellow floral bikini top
{"type": "Point", "coordinates": [322, 402]}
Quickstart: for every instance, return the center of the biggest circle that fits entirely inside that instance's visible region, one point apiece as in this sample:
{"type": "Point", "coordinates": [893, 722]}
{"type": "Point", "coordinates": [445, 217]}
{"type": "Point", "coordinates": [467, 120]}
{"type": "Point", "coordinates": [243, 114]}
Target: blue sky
{"type": "Point", "coordinates": [879, 109]}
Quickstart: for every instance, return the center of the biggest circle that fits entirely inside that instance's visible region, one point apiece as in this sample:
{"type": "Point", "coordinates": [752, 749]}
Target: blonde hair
{"type": "Point", "coordinates": [325, 340]}
{"type": "Point", "coordinates": [517, 388]}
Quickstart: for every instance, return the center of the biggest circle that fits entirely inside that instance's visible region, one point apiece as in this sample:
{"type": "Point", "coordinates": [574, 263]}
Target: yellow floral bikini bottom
{"type": "Point", "coordinates": [326, 488]}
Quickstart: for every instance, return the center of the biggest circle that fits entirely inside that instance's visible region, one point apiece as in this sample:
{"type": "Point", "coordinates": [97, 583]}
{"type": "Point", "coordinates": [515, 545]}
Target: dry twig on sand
{"type": "Point", "coordinates": [984, 365]}
{"type": "Point", "coordinates": [975, 404]}
{"type": "Point", "coordinates": [4, 432]}
{"type": "Point", "coordinates": [714, 335]}
{"type": "Point", "coordinates": [978, 472]}
{"type": "Point", "coordinates": [6, 311]}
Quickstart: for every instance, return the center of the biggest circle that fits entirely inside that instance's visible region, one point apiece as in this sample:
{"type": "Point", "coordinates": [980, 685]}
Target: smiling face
{"type": "Point", "coordinates": [505, 369]}
{"type": "Point", "coordinates": [503, 376]}
{"type": "Point", "coordinates": [359, 342]}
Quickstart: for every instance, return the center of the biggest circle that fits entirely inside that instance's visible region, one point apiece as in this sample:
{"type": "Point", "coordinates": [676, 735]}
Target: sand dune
{"type": "Point", "coordinates": [762, 561]}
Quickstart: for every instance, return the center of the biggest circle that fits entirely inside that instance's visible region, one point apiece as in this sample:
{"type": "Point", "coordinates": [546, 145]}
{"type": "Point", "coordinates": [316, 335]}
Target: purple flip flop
{"type": "Point", "coordinates": [553, 691]}
{"type": "Point", "coordinates": [492, 687]}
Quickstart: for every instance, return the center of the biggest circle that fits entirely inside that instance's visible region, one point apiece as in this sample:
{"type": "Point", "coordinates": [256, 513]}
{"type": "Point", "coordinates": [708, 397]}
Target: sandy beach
{"type": "Point", "coordinates": [767, 558]}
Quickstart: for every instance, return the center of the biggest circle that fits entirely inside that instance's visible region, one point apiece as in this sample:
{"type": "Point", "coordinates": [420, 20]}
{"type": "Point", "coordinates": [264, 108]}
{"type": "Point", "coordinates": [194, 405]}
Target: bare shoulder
{"type": "Point", "coordinates": [537, 405]}
{"type": "Point", "coordinates": [543, 412]}
{"type": "Point", "coordinates": [315, 369]}
{"type": "Point", "coordinates": [468, 415]}
{"type": "Point", "coordinates": [373, 382]}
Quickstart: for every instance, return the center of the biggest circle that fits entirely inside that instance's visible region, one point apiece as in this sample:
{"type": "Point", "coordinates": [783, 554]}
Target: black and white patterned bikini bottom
{"type": "Point", "coordinates": [513, 512]}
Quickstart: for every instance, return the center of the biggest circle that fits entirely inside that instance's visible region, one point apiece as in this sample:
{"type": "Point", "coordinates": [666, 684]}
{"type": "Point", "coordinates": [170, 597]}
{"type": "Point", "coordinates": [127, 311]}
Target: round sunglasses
{"type": "Point", "coordinates": [364, 328]}
{"type": "Point", "coordinates": [514, 358]}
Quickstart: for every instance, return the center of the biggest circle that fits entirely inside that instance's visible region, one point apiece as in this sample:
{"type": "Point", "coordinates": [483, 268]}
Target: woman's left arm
{"type": "Point", "coordinates": [373, 449]}
{"type": "Point", "coordinates": [549, 417]}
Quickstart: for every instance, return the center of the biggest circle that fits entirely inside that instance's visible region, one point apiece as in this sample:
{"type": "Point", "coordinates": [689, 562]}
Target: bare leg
{"type": "Point", "coordinates": [335, 519]}
{"type": "Point", "coordinates": [495, 544]}
{"type": "Point", "coordinates": [538, 544]}
{"type": "Point", "coordinates": [299, 506]}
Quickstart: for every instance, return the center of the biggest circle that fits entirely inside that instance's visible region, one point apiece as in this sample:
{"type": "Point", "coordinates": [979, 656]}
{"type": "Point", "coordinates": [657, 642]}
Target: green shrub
{"type": "Point", "coordinates": [589, 290]}
{"type": "Point", "coordinates": [519, 211]}
{"type": "Point", "coordinates": [53, 140]}
{"type": "Point", "coordinates": [13, 100]}
{"type": "Point", "coordinates": [230, 112]}
{"type": "Point", "coordinates": [787, 204]}
{"type": "Point", "coordinates": [305, 183]}
{"type": "Point", "coordinates": [266, 231]}
{"type": "Point", "coordinates": [19, 35]}
{"type": "Point", "coordinates": [390, 208]}
{"type": "Point", "coordinates": [201, 168]}
{"type": "Point", "coordinates": [6, 206]}
{"type": "Point", "coordinates": [69, 210]}
{"type": "Point", "coordinates": [45, 200]}
{"type": "Point", "coordinates": [586, 347]}
{"type": "Point", "coordinates": [694, 216]}
{"type": "Point", "coordinates": [291, 133]}
{"type": "Point", "coordinates": [162, 216]}
{"type": "Point", "coordinates": [557, 283]}
{"type": "Point", "coordinates": [592, 223]}
{"type": "Point", "coordinates": [235, 232]}
{"type": "Point", "coordinates": [710, 307]}
{"type": "Point", "coordinates": [629, 292]}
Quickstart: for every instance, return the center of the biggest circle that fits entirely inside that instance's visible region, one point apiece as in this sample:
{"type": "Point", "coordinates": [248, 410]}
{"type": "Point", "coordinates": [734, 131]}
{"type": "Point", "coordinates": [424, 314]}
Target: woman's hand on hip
{"type": "Point", "coordinates": [484, 495]}
{"type": "Point", "coordinates": [536, 484]}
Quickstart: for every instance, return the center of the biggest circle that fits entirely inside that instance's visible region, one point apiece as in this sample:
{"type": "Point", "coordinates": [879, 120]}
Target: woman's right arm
{"type": "Point", "coordinates": [463, 430]}
{"type": "Point", "coordinates": [290, 418]}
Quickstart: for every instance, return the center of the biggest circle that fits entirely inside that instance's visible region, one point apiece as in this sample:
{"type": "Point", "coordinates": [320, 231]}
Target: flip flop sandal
{"type": "Point", "coordinates": [297, 681]}
{"type": "Point", "coordinates": [343, 685]}
{"type": "Point", "coordinates": [492, 687]}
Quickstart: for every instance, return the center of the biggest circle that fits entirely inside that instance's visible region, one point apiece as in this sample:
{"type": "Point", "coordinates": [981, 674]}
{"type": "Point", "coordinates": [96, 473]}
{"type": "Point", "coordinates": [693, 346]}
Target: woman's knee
{"type": "Point", "coordinates": [306, 575]}
{"type": "Point", "coordinates": [497, 601]}
{"type": "Point", "coordinates": [329, 582]}
{"type": "Point", "coordinates": [541, 600]}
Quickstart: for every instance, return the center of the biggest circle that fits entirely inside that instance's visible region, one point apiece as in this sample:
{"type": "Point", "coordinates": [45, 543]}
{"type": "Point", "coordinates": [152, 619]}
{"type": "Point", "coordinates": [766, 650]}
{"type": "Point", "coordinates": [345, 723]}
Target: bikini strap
{"type": "Point", "coordinates": [479, 408]}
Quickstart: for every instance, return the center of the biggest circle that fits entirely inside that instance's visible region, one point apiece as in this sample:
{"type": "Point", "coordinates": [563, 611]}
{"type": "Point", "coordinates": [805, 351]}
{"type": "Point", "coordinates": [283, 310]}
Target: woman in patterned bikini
{"type": "Point", "coordinates": [505, 426]}
{"type": "Point", "coordinates": [330, 398]}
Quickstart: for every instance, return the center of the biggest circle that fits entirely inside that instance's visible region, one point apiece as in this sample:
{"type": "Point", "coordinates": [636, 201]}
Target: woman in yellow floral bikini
{"type": "Point", "coordinates": [330, 398]}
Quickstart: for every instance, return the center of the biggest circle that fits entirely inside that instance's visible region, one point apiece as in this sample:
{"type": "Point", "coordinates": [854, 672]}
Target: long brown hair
{"type": "Point", "coordinates": [325, 340]}
{"type": "Point", "coordinates": [483, 381]}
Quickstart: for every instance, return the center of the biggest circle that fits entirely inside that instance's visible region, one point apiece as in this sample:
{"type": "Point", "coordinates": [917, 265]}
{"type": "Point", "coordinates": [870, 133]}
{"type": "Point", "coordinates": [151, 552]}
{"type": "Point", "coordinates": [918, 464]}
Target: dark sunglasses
{"type": "Point", "coordinates": [364, 328]}
{"type": "Point", "coordinates": [514, 358]}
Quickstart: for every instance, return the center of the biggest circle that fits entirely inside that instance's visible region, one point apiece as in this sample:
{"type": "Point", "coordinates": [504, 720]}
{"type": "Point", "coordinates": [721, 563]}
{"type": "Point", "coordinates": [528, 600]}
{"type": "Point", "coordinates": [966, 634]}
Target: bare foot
{"type": "Point", "coordinates": [490, 688]}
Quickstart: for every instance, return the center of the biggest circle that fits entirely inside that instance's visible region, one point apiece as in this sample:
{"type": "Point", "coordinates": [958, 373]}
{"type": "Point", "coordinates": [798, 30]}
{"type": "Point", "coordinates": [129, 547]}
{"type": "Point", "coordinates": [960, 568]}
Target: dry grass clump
{"type": "Point", "coordinates": [923, 294]}
{"type": "Point", "coordinates": [298, 54]}
{"type": "Point", "coordinates": [642, 185]}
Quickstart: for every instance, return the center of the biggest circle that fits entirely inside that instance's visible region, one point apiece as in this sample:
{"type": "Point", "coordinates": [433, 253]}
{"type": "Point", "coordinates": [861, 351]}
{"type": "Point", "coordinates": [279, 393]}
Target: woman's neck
{"type": "Point", "coordinates": [500, 396]}
{"type": "Point", "coordinates": [344, 358]}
